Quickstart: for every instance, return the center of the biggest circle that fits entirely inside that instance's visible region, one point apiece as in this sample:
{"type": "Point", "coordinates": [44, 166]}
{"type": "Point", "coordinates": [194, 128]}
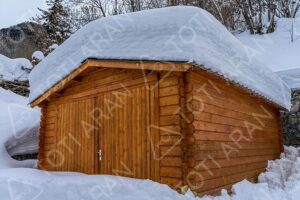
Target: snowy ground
{"type": "Point", "coordinates": [280, 182]}
{"type": "Point", "coordinates": [278, 50]}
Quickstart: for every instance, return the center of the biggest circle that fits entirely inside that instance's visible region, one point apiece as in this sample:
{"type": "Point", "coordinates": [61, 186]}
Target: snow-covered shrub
{"type": "Point", "coordinates": [14, 69]}
{"type": "Point", "coordinates": [38, 55]}
{"type": "Point", "coordinates": [53, 47]}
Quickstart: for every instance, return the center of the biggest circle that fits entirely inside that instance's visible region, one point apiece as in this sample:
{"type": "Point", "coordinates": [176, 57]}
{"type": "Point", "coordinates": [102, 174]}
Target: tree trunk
{"type": "Point", "coordinates": [248, 18]}
{"type": "Point", "coordinates": [271, 27]}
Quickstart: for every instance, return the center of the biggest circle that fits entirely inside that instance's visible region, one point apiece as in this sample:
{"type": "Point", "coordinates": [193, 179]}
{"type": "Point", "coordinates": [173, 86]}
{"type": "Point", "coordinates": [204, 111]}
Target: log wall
{"type": "Point", "coordinates": [234, 133]}
{"type": "Point", "coordinates": [166, 96]}
{"type": "Point", "coordinates": [172, 129]}
{"type": "Point", "coordinates": [205, 132]}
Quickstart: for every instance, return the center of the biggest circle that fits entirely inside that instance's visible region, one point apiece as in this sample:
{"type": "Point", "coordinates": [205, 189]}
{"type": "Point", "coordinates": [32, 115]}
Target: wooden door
{"type": "Point", "coordinates": [124, 134]}
{"type": "Point", "coordinates": [75, 143]}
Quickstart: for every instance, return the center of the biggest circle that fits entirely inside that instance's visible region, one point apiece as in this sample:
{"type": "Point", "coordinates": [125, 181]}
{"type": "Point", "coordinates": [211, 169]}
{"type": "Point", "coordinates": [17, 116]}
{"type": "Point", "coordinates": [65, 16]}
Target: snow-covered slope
{"type": "Point", "coordinates": [18, 128]}
{"type": "Point", "coordinates": [185, 34]}
{"type": "Point", "coordinates": [14, 69]}
{"type": "Point", "coordinates": [291, 76]}
{"type": "Point", "coordinates": [277, 50]}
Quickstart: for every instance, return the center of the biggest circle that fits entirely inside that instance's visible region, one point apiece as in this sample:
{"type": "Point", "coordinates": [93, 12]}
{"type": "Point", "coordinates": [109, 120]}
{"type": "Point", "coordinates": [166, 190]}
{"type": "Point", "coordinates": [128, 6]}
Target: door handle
{"type": "Point", "coordinates": [100, 154]}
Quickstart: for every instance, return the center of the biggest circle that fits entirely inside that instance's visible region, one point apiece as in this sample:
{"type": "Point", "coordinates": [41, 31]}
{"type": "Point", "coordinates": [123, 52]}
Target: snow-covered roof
{"type": "Point", "coordinates": [186, 34]}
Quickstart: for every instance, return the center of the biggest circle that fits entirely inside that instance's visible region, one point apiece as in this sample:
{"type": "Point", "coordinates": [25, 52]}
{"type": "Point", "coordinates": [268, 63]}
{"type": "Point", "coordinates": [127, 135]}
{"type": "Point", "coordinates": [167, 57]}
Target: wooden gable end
{"type": "Point", "coordinates": [91, 63]}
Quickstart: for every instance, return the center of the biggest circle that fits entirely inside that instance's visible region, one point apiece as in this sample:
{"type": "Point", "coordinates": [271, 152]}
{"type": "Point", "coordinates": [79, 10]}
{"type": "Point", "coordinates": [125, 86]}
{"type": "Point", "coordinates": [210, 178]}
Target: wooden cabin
{"type": "Point", "coordinates": [172, 122]}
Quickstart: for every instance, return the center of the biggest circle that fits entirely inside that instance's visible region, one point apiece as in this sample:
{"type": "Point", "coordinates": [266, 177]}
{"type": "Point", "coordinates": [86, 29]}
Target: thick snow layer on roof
{"type": "Point", "coordinates": [19, 125]}
{"type": "Point", "coordinates": [185, 34]}
{"type": "Point", "coordinates": [14, 69]}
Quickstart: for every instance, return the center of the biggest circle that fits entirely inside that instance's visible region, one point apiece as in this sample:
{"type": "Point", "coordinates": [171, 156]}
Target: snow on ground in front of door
{"type": "Point", "coordinates": [19, 126]}
{"type": "Point", "coordinates": [280, 182]}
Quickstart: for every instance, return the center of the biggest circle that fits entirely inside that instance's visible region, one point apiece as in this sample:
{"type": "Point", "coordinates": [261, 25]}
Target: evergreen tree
{"type": "Point", "coordinates": [56, 22]}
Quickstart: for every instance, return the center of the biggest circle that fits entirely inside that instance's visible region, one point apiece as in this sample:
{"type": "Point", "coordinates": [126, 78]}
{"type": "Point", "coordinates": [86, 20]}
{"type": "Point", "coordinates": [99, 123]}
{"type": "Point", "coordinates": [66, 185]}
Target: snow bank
{"type": "Point", "coordinates": [14, 69]}
{"type": "Point", "coordinates": [28, 184]}
{"type": "Point", "coordinates": [19, 126]}
{"type": "Point", "coordinates": [186, 34]}
{"type": "Point", "coordinates": [280, 182]}
{"type": "Point", "coordinates": [281, 171]}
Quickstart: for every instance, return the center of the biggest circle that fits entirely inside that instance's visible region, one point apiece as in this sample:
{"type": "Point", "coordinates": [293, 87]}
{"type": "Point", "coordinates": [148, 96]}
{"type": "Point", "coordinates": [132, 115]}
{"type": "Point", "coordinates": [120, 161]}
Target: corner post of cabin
{"type": "Point", "coordinates": [280, 131]}
{"type": "Point", "coordinates": [171, 138]}
{"type": "Point", "coordinates": [42, 130]}
{"type": "Point", "coordinates": [189, 174]}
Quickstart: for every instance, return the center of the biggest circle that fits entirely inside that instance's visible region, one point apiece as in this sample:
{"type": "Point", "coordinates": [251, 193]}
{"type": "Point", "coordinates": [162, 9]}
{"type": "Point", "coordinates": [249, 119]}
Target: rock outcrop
{"type": "Point", "coordinates": [291, 121]}
{"type": "Point", "coordinates": [22, 40]}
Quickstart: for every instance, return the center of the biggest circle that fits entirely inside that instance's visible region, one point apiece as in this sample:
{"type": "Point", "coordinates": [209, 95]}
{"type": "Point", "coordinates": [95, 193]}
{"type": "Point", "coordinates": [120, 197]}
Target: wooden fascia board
{"type": "Point", "coordinates": [59, 85]}
{"type": "Point", "coordinates": [143, 65]}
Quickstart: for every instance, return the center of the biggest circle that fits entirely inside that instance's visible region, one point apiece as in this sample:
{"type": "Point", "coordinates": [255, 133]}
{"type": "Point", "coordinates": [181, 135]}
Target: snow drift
{"type": "Point", "coordinates": [280, 182]}
{"type": "Point", "coordinates": [186, 34]}
{"type": "Point", "coordinates": [19, 129]}
{"type": "Point", "coordinates": [14, 69]}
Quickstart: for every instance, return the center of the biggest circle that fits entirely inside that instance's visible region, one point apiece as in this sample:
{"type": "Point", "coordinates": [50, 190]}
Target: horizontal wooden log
{"type": "Point", "coordinates": [232, 146]}
{"type": "Point", "coordinates": [169, 120]}
{"type": "Point", "coordinates": [168, 82]}
{"type": "Point", "coordinates": [170, 100]}
{"type": "Point", "coordinates": [172, 182]}
{"type": "Point", "coordinates": [169, 110]}
{"type": "Point", "coordinates": [203, 165]}
{"type": "Point", "coordinates": [171, 162]}
{"type": "Point", "coordinates": [227, 171]}
{"type": "Point", "coordinates": [217, 154]}
{"type": "Point", "coordinates": [175, 172]}
{"type": "Point", "coordinates": [169, 91]}
{"type": "Point", "coordinates": [226, 180]}
{"type": "Point", "coordinates": [240, 137]}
